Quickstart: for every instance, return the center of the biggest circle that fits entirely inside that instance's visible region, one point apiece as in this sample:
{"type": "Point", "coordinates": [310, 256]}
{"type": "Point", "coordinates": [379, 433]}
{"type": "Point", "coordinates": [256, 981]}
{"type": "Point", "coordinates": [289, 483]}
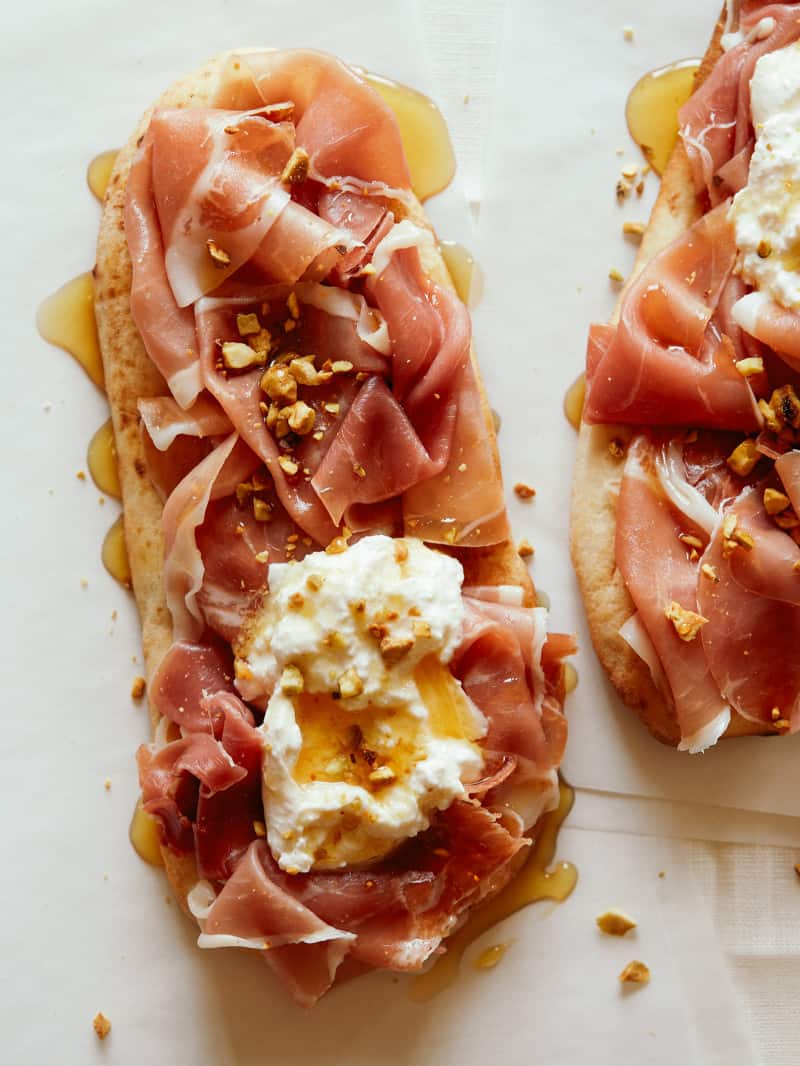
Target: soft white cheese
{"type": "Point", "coordinates": [358, 760]}
{"type": "Point", "coordinates": [766, 212]}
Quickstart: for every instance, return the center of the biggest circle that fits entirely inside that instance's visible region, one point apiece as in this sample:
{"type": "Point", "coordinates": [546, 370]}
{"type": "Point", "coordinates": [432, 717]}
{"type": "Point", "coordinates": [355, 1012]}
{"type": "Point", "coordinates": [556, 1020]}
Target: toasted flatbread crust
{"type": "Point", "coordinates": [598, 475]}
{"type": "Point", "coordinates": [130, 376]}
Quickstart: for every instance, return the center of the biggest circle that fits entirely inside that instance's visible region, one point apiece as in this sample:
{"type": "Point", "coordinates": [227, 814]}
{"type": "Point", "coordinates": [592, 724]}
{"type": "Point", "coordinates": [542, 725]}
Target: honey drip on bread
{"type": "Point", "coordinates": [115, 554]}
{"type": "Point", "coordinates": [464, 272]}
{"type": "Point", "coordinates": [573, 401]}
{"type": "Point", "coordinates": [652, 109]}
{"type": "Point", "coordinates": [66, 319]}
{"type": "Point", "coordinates": [538, 880]}
{"type": "Point", "coordinates": [98, 172]}
{"type": "Point", "coordinates": [101, 459]}
{"type": "Point", "coordinates": [143, 835]}
{"type": "Point", "coordinates": [423, 130]}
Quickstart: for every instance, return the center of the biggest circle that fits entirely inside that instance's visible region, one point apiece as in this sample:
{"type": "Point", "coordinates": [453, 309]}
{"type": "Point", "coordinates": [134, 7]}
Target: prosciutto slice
{"type": "Point", "coordinates": [216, 476]}
{"type": "Point", "coordinates": [166, 329]}
{"type": "Point", "coordinates": [657, 570]}
{"type": "Point", "coordinates": [667, 343]}
{"type": "Point", "coordinates": [750, 640]}
{"type": "Point", "coordinates": [340, 120]}
{"type": "Point", "coordinates": [787, 468]}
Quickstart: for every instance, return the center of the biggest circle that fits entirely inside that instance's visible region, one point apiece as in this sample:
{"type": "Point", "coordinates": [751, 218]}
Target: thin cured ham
{"type": "Point", "coordinates": [658, 571]}
{"type": "Point", "coordinates": [667, 342]}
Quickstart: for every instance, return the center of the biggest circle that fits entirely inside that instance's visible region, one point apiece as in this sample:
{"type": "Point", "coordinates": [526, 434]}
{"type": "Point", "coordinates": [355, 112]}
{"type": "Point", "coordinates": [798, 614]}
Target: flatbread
{"type": "Point", "coordinates": [598, 475]}
{"type": "Point", "coordinates": [130, 376]}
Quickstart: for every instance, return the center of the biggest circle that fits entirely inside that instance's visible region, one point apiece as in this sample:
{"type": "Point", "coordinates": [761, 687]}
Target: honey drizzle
{"type": "Point", "coordinates": [115, 554]}
{"type": "Point", "coordinates": [466, 275]}
{"type": "Point", "coordinates": [489, 957]}
{"type": "Point", "coordinates": [534, 882]}
{"type": "Point", "coordinates": [573, 401]}
{"type": "Point", "coordinates": [102, 461]}
{"type": "Point", "coordinates": [570, 678]}
{"type": "Point", "coordinates": [423, 130]}
{"type": "Point", "coordinates": [66, 319]}
{"type": "Point", "coordinates": [143, 834]}
{"type": "Point", "coordinates": [652, 109]}
{"type": "Point", "coordinates": [99, 171]}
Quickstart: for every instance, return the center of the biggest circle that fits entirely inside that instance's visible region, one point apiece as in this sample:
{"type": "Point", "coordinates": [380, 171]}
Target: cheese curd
{"type": "Point", "coordinates": [366, 731]}
{"type": "Point", "coordinates": [766, 212]}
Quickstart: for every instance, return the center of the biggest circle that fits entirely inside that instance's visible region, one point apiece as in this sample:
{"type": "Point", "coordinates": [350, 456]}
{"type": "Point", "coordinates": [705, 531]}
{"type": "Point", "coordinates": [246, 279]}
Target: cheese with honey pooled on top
{"type": "Point", "coordinates": [366, 731]}
{"type": "Point", "coordinates": [766, 212]}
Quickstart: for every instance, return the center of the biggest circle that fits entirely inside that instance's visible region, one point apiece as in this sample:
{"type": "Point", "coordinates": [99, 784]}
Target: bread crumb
{"type": "Point", "coordinates": [102, 1026]}
{"type": "Point", "coordinates": [81, 475]}
{"type": "Point", "coordinates": [627, 33]}
{"type": "Point", "coordinates": [138, 687]}
{"type": "Point", "coordinates": [525, 549]}
{"type": "Point", "coordinates": [635, 973]}
{"type": "Point", "coordinates": [615, 276]}
{"type": "Point", "coordinates": [523, 491]}
{"type": "Point", "coordinates": [107, 784]}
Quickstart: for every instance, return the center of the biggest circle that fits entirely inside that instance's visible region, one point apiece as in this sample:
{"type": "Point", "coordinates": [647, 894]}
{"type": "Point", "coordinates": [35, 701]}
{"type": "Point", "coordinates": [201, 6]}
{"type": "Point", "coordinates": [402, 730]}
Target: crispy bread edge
{"type": "Point", "coordinates": [598, 474]}
{"type": "Point", "coordinates": [130, 375]}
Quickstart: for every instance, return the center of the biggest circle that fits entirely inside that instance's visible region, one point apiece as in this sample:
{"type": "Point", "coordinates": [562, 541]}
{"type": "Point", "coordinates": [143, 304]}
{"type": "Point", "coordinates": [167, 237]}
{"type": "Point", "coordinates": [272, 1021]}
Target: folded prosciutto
{"type": "Point", "coordinates": [322, 417]}
{"type": "Point", "coordinates": [703, 364]}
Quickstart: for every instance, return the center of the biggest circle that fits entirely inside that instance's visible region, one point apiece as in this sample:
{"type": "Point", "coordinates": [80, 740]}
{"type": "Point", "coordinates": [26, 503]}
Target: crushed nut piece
{"type": "Point", "coordinates": [287, 465]}
{"type": "Point", "coordinates": [770, 418]}
{"type": "Point", "coordinates": [615, 922]}
{"type": "Point", "coordinates": [630, 171]}
{"type": "Point", "coordinates": [744, 457]}
{"type": "Point", "coordinates": [296, 170]}
{"type": "Point", "coordinates": [262, 557]}
{"type": "Point", "coordinates": [219, 256]}
{"type": "Point", "coordinates": [247, 325]}
{"type": "Point", "coordinates": [107, 784]}
{"type": "Point", "coordinates": [687, 623]}
{"type": "Point", "coordinates": [332, 407]}
{"type": "Point", "coordinates": [707, 570]}
{"type": "Point", "coordinates": [341, 366]}
{"type": "Point", "coordinates": [350, 684]}
{"type": "Point", "coordinates": [633, 229]}
{"type": "Point", "coordinates": [615, 276]}
{"type": "Point", "coordinates": [81, 475]}
{"type": "Point", "coordinates": [382, 775]}
{"type": "Point", "coordinates": [525, 549]}
{"type": "Point", "coordinates": [292, 305]}
{"type": "Point", "coordinates": [421, 629]}
{"type": "Point", "coordinates": [259, 829]}
{"type": "Point", "coordinates": [262, 512]}
{"type": "Point", "coordinates": [292, 681]}
{"type": "Point", "coordinates": [393, 649]}
{"type": "Point", "coordinates": [627, 33]}
{"type": "Point", "coordinates": [301, 417]}
{"type": "Point", "coordinates": [635, 973]}
{"type": "Point", "coordinates": [764, 249]}
{"type": "Point", "coordinates": [786, 405]}
{"type": "Point", "coordinates": [748, 368]}
{"type": "Point", "coordinates": [279, 384]}
{"type": "Point", "coordinates": [523, 491]}
{"type": "Point", "coordinates": [775, 501]}
{"type": "Point", "coordinates": [400, 551]}
{"type": "Point", "coordinates": [102, 1026]}
{"type": "Point", "coordinates": [690, 540]}
{"type": "Point", "coordinates": [239, 356]}
{"type": "Point", "coordinates": [137, 688]}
